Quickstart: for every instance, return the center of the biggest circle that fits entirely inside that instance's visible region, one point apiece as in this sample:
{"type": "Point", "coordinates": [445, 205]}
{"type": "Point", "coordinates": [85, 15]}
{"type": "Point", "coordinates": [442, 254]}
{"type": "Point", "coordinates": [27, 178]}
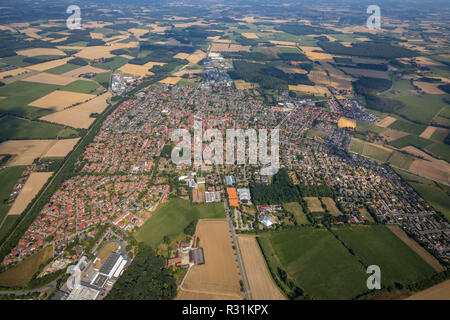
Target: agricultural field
{"type": "Point", "coordinates": [314, 204]}
{"type": "Point", "coordinates": [21, 274]}
{"type": "Point", "coordinates": [82, 86]}
{"type": "Point", "coordinates": [218, 277]}
{"type": "Point", "coordinates": [318, 263]}
{"type": "Point", "coordinates": [19, 128]}
{"type": "Point", "coordinates": [61, 148]}
{"type": "Point", "coordinates": [331, 206]}
{"type": "Point", "coordinates": [377, 245]}
{"type": "Point", "coordinates": [25, 151]}
{"type": "Point", "coordinates": [437, 195]}
{"type": "Point", "coordinates": [171, 219]}
{"type": "Point", "coordinates": [20, 94]}
{"type": "Point", "coordinates": [296, 209]}
{"type": "Point", "coordinates": [31, 188]}
{"type": "Point", "coordinates": [9, 177]}
{"type": "Point", "coordinates": [440, 291]}
{"type": "Point", "coordinates": [262, 286]}
{"type": "Point", "coordinates": [370, 150]}
{"type": "Point", "coordinates": [59, 100]}
{"type": "Point", "coordinates": [80, 115]}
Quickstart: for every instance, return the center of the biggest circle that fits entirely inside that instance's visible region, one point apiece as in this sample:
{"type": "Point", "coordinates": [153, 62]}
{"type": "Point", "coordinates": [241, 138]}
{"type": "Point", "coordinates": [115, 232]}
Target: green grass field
{"type": "Point", "coordinates": [437, 195]}
{"type": "Point", "coordinates": [81, 86]}
{"type": "Point", "coordinates": [318, 263]}
{"type": "Point", "coordinates": [173, 217]}
{"type": "Point", "coordinates": [116, 63]}
{"type": "Point", "coordinates": [296, 209]}
{"type": "Point", "coordinates": [408, 126]}
{"type": "Point", "coordinates": [18, 128]}
{"type": "Point", "coordinates": [7, 225]}
{"type": "Point", "coordinates": [19, 94]}
{"type": "Point", "coordinates": [8, 177]}
{"type": "Point", "coordinates": [370, 150]}
{"type": "Point", "coordinates": [63, 69]}
{"type": "Point", "coordinates": [401, 160]}
{"type": "Point", "coordinates": [421, 108]}
{"type": "Point", "coordinates": [21, 274]}
{"type": "Point", "coordinates": [440, 150]}
{"type": "Point", "coordinates": [377, 245]}
{"type": "Point", "coordinates": [411, 140]}
{"type": "Point", "coordinates": [103, 79]}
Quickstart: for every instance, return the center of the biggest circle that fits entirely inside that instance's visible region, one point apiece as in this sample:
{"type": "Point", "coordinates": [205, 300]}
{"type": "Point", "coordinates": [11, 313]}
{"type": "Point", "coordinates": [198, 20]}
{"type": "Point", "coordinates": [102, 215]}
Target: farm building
{"type": "Point", "coordinates": [196, 256]}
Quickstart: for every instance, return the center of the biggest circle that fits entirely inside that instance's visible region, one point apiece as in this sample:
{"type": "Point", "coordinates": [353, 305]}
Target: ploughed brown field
{"type": "Point", "coordinates": [218, 278]}
{"type": "Point", "coordinates": [262, 286]}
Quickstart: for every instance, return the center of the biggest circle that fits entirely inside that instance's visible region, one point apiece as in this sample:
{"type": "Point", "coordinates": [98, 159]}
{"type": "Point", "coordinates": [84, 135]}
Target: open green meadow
{"type": "Point", "coordinates": [421, 108]}
{"type": "Point", "coordinates": [171, 219]}
{"type": "Point", "coordinates": [408, 126]}
{"type": "Point", "coordinates": [62, 69]}
{"type": "Point", "coordinates": [8, 177]}
{"type": "Point", "coordinates": [377, 245]}
{"type": "Point", "coordinates": [114, 64]}
{"type": "Point", "coordinates": [296, 209]}
{"type": "Point", "coordinates": [411, 140]}
{"type": "Point", "coordinates": [21, 274]}
{"type": "Point", "coordinates": [401, 160]}
{"type": "Point", "coordinates": [19, 94]}
{"type": "Point", "coordinates": [81, 86]}
{"type": "Point", "coordinates": [436, 194]}
{"type": "Point", "coordinates": [18, 128]}
{"type": "Point", "coordinates": [440, 150]}
{"type": "Point", "coordinates": [318, 263]}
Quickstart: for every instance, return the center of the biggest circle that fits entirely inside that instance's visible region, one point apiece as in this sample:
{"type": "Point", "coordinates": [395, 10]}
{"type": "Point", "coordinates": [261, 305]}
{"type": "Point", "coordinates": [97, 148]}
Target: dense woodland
{"type": "Point", "coordinates": [145, 279]}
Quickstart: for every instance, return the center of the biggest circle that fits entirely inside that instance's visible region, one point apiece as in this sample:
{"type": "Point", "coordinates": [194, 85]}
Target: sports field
{"type": "Point", "coordinates": [318, 263]}
{"type": "Point", "coordinates": [173, 217]}
{"type": "Point", "coordinates": [377, 245]}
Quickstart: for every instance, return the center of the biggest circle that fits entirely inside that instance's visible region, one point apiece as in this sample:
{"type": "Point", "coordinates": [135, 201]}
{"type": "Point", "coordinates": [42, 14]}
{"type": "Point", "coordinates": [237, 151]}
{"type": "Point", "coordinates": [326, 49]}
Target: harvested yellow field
{"type": "Point", "coordinates": [136, 70]}
{"type": "Point", "coordinates": [315, 90]}
{"type": "Point", "coordinates": [262, 286]}
{"type": "Point", "coordinates": [190, 24]}
{"type": "Point", "coordinates": [218, 277]}
{"type": "Point", "coordinates": [40, 52]}
{"type": "Point", "coordinates": [49, 65]}
{"type": "Point", "coordinates": [49, 78]}
{"type": "Point", "coordinates": [97, 35]}
{"type": "Point", "coordinates": [430, 88]}
{"type": "Point", "coordinates": [250, 35]}
{"type": "Point", "coordinates": [196, 57]}
{"type": "Point", "coordinates": [7, 28]}
{"type": "Point", "coordinates": [79, 116]}
{"type": "Point", "coordinates": [82, 70]}
{"type": "Point", "coordinates": [187, 71]}
{"type": "Point", "coordinates": [61, 148]}
{"type": "Point", "coordinates": [157, 29]}
{"type": "Point", "coordinates": [218, 40]}
{"type": "Point", "coordinates": [428, 132]}
{"type": "Point", "coordinates": [438, 170]}
{"type": "Point", "coordinates": [138, 33]}
{"type": "Point", "coordinates": [230, 47]}
{"type": "Point", "coordinates": [31, 32]}
{"type": "Point", "coordinates": [346, 123]}
{"type": "Point", "coordinates": [243, 85]}
{"type": "Point", "coordinates": [331, 206]}
{"type": "Point", "coordinates": [171, 80]}
{"type": "Point", "coordinates": [34, 183]}
{"type": "Point", "coordinates": [315, 53]}
{"type": "Point", "coordinates": [59, 100]}
{"type": "Point", "coordinates": [283, 43]}
{"type": "Point", "coordinates": [440, 291]}
{"type": "Point", "coordinates": [181, 55]}
{"type": "Point", "coordinates": [314, 204]}
{"type": "Point", "coordinates": [411, 243]}
{"type": "Point", "coordinates": [95, 24]}
{"type": "Point", "coordinates": [97, 52]}
{"type": "Point", "coordinates": [25, 151]}
{"type": "Point", "coordinates": [13, 73]}
{"type": "Point", "coordinates": [386, 122]}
